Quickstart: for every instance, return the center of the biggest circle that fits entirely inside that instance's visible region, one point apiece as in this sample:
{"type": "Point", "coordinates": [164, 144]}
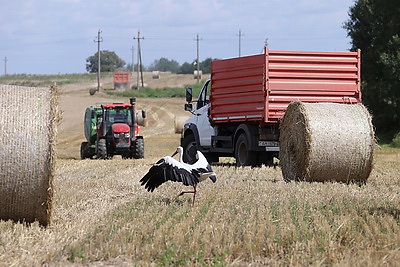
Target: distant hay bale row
{"type": "Point", "coordinates": [28, 120]}
{"type": "Point", "coordinates": [326, 142]}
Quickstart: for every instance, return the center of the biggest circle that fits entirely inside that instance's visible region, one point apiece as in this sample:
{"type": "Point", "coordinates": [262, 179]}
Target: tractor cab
{"type": "Point", "coordinates": [117, 119]}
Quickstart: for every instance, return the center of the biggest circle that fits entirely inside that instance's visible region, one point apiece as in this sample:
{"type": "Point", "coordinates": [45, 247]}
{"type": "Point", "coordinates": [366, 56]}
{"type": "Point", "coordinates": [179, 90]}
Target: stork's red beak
{"type": "Point", "coordinates": [176, 152]}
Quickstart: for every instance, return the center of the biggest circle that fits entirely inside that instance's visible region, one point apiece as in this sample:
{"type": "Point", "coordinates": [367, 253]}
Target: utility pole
{"type": "Point", "coordinates": [99, 40]}
{"type": "Point", "coordinates": [5, 66]}
{"type": "Point", "coordinates": [133, 64]}
{"type": "Point", "coordinates": [265, 45]}
{"type": "Point", "coordinates": [139, 60]}
{"type": "Point", "coordinates": [240, 42]}
{"type": "Point", "coordinates": [197, 61]}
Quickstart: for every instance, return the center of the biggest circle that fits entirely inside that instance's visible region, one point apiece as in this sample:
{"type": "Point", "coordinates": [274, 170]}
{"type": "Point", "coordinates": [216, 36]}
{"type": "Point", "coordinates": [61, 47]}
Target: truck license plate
{"type": "Point", "coordinates": [268, 143]}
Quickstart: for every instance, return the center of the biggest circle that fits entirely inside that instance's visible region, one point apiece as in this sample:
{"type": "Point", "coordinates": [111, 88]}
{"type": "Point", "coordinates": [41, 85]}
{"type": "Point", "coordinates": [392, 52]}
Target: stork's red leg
{"type": "Point", "coordinates": [191, 192]}
{"type": "Point", "coordinates": [194, 194]}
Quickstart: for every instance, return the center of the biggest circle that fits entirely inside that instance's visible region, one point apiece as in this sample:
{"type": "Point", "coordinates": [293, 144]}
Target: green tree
{"type": "Point", "coordinates": [164, 64]}
{"type": "Point", "coordinates": [206, 65]}
{"type": "Point", "coordinates": [374, 27]}
{"type": "Point", "coordinates": [109, 62]}
{"type": "Point", "coordinates": [187, 68]}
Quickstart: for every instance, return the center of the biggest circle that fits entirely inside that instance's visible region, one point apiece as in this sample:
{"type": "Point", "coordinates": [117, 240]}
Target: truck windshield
{"type": "Point", "coordinates": [204, 96]}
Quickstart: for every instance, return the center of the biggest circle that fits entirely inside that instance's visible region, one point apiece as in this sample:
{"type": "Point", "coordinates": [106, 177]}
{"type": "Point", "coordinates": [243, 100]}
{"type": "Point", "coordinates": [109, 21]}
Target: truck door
{"type": "Point", "coordinates": [202, 113]}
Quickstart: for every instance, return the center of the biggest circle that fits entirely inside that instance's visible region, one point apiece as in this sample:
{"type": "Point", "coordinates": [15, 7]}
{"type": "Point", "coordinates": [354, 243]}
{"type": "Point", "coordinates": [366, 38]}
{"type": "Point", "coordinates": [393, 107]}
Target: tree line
{"type": "Point", "coordinates": [110, 61]}
{"type": "Point", "coordinates": [374, 27]}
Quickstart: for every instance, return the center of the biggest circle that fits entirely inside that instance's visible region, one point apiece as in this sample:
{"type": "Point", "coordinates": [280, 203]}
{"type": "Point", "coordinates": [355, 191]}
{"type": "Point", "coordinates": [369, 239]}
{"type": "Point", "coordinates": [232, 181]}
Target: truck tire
{"type": "Point", "coordinates": [189, 146]}
{"type": "Point", "coordinates": [83, 150]}
{"type": "Point", "coordinates": [243, 156]}
{"type": "Point", "coordinates": [102, 149]}
{"type": "Point", "coordinates": [138, 148]}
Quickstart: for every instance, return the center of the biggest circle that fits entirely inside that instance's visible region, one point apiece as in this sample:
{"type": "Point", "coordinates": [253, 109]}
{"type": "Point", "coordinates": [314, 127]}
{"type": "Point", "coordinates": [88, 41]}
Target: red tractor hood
{"type": "Point", "coordinates": [120, 128]}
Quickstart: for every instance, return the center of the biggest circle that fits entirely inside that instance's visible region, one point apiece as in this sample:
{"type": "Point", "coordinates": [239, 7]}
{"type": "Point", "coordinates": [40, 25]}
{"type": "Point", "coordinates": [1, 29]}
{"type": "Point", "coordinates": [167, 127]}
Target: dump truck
{"type": "Point", "coordinates": [113, 129]}
{"type": "Point", "coordinates": [239, 109]}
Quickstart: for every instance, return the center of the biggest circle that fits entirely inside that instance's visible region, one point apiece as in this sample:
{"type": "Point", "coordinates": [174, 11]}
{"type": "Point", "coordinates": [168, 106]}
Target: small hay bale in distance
{"type": "Point", "coordinates": [179, 121]}
{"type": "Point", "coordinates": [28, 120]}
{"type": "Point", "coordinates": [155, 74]}
{"type": "Point", "coordinates": [326, 142]}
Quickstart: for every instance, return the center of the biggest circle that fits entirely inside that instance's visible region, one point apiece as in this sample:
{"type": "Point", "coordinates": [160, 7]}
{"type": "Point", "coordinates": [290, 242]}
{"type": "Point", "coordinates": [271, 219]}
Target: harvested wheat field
{"type": "Point", "coordinates": [103, 217]}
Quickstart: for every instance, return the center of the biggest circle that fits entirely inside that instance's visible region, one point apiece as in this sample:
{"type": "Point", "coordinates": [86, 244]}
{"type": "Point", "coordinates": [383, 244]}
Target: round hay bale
{"type": "Point", "coordinates": [141, 120]}
{"type": "Point", "coordinates": [197, 74]}
{"type": "Point", "coordinates": [179, 121]}
{"type": "Point", "coordinates": [155, 74]}
{"type": "Point", "coordinates": [92, 91]}
{"type": "Point", "coordinates": [326, 142]}
{"type": "Point", "coordinates": [28, 120]}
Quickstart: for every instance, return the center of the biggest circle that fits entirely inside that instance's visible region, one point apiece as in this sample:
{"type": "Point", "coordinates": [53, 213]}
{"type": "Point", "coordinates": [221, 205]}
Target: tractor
{"type": "Point", "coordinates": [113, 129]}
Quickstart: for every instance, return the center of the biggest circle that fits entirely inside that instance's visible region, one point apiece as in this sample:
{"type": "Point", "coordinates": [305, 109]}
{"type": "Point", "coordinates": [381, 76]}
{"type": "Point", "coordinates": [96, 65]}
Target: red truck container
{"type": "Point", "coordinates": [122, 80]}
{"type": "Point", "coordinates": [239, 109]}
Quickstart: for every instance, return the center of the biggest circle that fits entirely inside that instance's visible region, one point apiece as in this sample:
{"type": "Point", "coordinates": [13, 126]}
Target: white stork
{"type": "Point", "coordinates": [169, 169]}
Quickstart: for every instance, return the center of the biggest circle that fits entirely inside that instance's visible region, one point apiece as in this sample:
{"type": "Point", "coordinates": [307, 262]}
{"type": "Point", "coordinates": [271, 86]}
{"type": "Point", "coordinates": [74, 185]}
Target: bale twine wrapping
{"type": "Point", "coordinates": [326, 142]}
{"type": "Point", "coordinates": [28, 120]}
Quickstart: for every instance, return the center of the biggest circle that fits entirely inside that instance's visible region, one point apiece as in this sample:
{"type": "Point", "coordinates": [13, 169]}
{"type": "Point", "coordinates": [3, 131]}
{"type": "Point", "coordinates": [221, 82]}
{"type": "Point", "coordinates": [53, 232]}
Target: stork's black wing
{"type": "Point", "coordinates": [167, 169]}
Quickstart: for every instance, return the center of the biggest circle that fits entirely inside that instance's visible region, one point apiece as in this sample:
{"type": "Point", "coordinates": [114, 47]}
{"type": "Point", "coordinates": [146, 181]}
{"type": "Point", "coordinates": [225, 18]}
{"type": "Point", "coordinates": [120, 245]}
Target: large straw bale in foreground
{"type": "Point", "coordinates": [28, 118]}
{"type": "Point", "coordinates": [326, 142]}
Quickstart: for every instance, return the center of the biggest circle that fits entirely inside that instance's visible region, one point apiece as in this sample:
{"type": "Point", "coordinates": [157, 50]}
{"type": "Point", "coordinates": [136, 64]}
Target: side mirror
{"type": "Point", "coordinates": [188, 107]}
{"type": "Point", "coordinates": [189, 95]}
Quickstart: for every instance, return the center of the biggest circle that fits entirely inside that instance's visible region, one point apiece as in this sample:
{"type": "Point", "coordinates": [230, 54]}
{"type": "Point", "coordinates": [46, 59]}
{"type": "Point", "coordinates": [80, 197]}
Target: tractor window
{"type": "Point", "coordinates": [119, 116]}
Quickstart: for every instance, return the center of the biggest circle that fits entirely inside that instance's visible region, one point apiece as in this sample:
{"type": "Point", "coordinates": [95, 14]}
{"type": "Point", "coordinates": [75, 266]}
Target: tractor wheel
{"type": "Point", "coordinates": [138, 149]}
{"type": "Point", "coordinates": [83, 150]}
{"type": "Point", "coordinates": [101, 149]}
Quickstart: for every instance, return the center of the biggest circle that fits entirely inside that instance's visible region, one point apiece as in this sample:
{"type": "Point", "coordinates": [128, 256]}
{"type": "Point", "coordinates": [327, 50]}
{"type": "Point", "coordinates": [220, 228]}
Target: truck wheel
{"type": "Point", "coordinates": [189, 149]}
{"type": "Point", "coordinates": [101, 149]}
{"type": "Point", "coordinates": [84, 153]}
{"type": "Point", "coordinates": [243, 156]}
{"type": "Point", "coordinates": [138, 149]}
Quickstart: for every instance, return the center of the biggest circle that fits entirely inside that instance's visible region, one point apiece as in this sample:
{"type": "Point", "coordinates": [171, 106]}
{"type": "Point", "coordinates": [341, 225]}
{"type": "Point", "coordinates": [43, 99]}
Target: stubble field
{"type": "Point", "coordinates": [250, 216]}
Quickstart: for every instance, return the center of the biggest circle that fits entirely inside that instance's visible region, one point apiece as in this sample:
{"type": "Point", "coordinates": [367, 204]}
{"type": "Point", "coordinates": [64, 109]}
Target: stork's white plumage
{"type": "Point", "coordinates": [169, 169]}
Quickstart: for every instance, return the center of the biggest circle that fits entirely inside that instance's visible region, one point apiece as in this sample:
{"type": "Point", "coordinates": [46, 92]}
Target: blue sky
{"type": "Point", "coordinates": [56, 36]}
